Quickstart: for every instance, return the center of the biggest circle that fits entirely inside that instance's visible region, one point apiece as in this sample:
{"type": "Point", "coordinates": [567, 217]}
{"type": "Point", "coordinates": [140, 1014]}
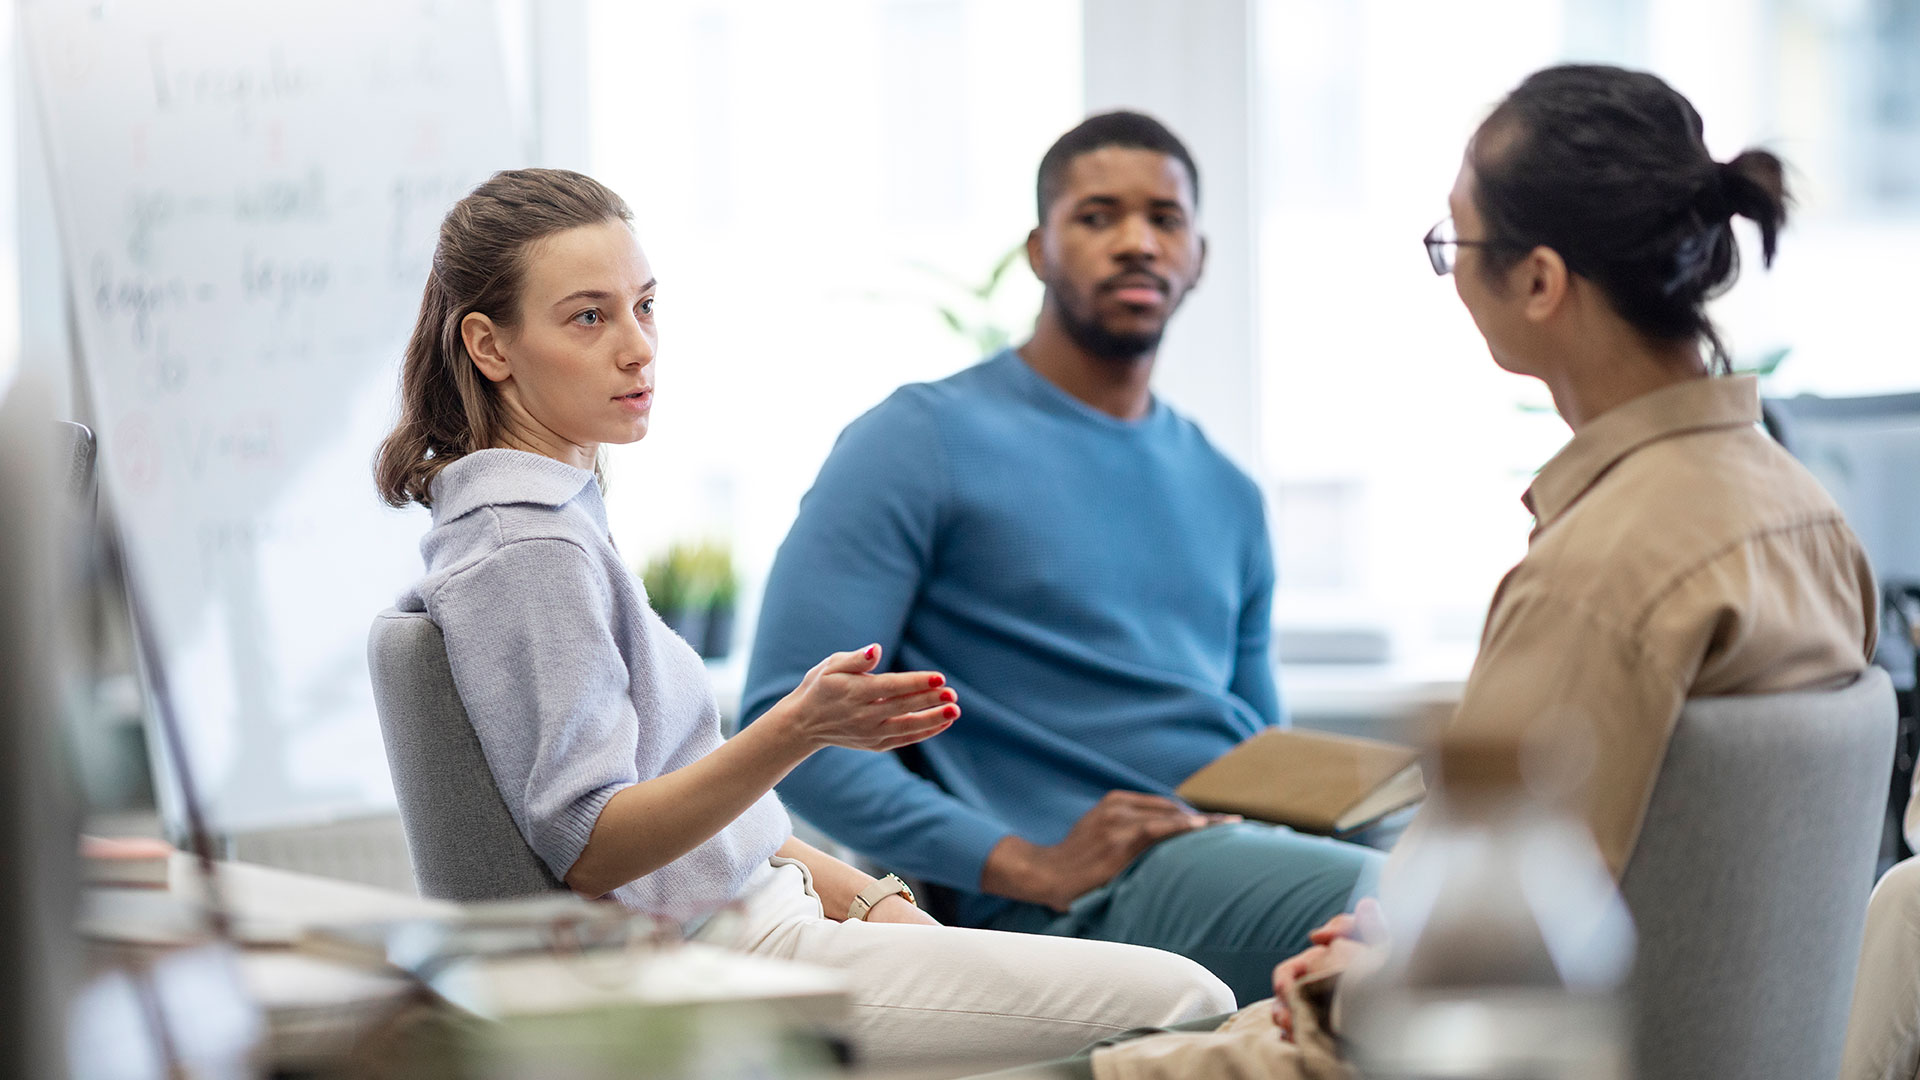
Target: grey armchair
{"type": "Point", "coordinates": [1750, 879]}
{"type": "Point", "coordinates": [462, 841]}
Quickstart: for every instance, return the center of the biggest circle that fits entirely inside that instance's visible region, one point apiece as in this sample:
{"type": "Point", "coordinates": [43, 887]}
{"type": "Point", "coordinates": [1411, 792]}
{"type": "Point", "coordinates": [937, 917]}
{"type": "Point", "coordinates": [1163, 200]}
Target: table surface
{"type": "Point", "coordinates": [299, 990]}
{"type": "Point", "coordinates": [269, 906]}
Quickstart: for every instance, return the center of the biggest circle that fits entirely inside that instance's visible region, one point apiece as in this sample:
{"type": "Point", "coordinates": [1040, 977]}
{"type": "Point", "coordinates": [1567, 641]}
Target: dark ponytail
{"type": "Point", "coordinates": [1608, 168]}
{"type": "Point", "coordinates": [1755, 184]}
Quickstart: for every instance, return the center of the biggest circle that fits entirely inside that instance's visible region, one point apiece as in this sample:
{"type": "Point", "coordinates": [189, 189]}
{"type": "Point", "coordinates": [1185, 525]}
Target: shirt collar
{"type": "Point", "coordinates": [1694, 405]}
{"type": "Point", "coordinates": [498, 477]}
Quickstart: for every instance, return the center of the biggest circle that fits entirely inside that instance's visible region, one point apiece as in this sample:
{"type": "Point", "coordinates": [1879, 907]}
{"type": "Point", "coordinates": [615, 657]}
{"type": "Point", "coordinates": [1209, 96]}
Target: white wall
{"type": "Point", "coordinates": [810, 192]}
{"type": "Point", "coordinates": [1190, 65]}
{"type": "Point", "coordinates": [9, 218]}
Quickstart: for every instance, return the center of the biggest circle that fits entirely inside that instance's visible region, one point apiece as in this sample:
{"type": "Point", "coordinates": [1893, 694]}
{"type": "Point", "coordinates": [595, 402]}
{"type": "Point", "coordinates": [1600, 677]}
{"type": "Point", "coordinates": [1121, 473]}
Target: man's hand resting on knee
{"type": "Point", "coordinates": [1101, 844]}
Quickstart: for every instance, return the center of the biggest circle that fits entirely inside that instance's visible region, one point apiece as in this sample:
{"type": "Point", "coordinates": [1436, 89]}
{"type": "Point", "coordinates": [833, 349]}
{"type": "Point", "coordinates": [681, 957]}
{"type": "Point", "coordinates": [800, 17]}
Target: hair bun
{"type": "Point", "coordinates": [1717, 197]}
{"type": "Point", "coordinates": [1754, 186]}
{"type": "Point", "coordinates": [1608, 167]}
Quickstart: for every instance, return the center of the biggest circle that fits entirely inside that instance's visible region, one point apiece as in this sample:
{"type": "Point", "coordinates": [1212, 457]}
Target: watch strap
{"type": "Point", "coordinates": [891, 885]}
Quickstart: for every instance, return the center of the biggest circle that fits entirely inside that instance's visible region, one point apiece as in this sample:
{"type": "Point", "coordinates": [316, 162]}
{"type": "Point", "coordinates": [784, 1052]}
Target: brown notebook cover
{"type": "Point", "coordinates": [1311, 780]}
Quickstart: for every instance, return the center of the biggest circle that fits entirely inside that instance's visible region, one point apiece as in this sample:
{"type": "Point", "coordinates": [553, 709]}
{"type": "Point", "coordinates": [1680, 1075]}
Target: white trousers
{"type": "Point", "coordinates": [1883, 1033]}
{"type": "Point", "coordinates": [946, 995]}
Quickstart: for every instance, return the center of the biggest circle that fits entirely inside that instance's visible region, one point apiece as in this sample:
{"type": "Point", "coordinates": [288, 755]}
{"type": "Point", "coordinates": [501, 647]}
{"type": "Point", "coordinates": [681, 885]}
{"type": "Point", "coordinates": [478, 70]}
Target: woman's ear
{"type": "Point", "coordinates": [1543, 279]}
{"type": "Point", "coordinates": [483, 343]}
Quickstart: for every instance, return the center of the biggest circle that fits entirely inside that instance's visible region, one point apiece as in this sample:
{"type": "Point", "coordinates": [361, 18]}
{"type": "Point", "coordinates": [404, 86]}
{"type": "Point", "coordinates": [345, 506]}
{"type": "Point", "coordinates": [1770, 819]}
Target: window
{"type": "Point", "coordinates": [812, 192]}
{"type": "Point", "coordinates": [1397, 449]}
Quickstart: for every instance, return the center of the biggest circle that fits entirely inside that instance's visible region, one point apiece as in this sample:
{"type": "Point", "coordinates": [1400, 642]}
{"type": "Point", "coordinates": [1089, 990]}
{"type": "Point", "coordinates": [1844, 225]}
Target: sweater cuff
{"type": "Point", "coordinates": [564, 835]}
{"type": "Point", "coordinates": [960, 850]}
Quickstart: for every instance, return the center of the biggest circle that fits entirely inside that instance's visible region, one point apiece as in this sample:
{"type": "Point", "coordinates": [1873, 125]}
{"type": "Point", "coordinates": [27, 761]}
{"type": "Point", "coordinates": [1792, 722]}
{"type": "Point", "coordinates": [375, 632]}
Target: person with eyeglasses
{"type": "Point", "coordinates": [1677, 551]}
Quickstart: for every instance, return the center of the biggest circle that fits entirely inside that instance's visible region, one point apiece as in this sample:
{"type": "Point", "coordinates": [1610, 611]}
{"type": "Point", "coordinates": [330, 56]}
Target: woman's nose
{"type": "Point", "coordinates": [637, 346]}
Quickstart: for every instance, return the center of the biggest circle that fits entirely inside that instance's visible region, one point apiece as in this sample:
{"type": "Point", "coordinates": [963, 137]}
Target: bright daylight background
{"type": "Point", "coordinates": [811, 191]}
{"type": "Point", "coordinates": [823, 189]}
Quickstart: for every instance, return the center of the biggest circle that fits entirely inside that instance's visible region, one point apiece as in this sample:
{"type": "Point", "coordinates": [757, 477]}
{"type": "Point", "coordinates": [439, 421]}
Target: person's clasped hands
{"type": "Point", "coordinates": [1337, 946]}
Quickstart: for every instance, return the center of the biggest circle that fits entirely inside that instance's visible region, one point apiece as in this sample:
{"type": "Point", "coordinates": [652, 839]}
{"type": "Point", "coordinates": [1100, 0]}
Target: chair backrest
{"type": "Point", "coordinates": [1749, 882]}
{"type": "Point", "coordinates": [1865, 451]}
{"type": "Point", "coordinates": [461, 839]}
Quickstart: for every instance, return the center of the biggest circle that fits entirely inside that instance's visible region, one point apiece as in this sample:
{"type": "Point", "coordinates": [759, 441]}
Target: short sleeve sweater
{"type": "Point", "coordinates": [575, 687]}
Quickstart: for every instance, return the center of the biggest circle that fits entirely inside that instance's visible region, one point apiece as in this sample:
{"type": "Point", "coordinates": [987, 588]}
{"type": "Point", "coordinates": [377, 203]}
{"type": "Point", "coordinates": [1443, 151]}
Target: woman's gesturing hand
{"type": "Point", "coordinates": [841, 703]}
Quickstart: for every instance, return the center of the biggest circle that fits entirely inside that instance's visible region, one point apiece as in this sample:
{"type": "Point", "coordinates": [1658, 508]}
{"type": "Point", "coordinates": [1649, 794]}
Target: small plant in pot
{"type": "Point", "coordinates": [720, 602]}
{"type": "Point", "coordinates": [693, 587]}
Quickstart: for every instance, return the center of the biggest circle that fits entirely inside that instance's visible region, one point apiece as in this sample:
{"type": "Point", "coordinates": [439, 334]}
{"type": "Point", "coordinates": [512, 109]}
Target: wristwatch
{"type": "Point", "coordinates": [890, 885]}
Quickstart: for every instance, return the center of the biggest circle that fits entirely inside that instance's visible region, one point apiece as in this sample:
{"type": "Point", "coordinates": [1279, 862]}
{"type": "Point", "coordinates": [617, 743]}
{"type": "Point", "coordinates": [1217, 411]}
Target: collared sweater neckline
{"type": "Point", "coordinates": [497, 477]}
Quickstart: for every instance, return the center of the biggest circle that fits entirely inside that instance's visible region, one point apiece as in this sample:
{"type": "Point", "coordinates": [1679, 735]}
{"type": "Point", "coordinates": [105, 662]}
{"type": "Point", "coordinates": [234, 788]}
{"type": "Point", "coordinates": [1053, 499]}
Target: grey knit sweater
{"type": "Point", "coordinates": [574, 685]}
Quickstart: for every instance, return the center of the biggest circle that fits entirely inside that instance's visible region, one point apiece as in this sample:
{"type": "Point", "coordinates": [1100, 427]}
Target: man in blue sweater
{"type": "Point", "coordinates": [1095, 580]}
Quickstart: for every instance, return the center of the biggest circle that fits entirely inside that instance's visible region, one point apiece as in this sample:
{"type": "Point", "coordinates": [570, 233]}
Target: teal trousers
{"type": "Point", "coordinates": [1236, 898]}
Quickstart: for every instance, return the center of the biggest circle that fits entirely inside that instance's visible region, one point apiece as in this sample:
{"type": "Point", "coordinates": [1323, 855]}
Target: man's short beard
{"type": "Point", "coordinates": [1103, 343]}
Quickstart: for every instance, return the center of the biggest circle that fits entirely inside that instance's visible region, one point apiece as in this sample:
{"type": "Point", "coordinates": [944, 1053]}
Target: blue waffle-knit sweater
{"type": "Point", "coordinates": [1098, 591]}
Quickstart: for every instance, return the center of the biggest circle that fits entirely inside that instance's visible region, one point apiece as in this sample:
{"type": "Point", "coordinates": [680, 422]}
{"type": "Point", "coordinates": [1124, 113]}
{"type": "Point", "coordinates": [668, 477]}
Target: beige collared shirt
{"type": "Point", "coordinates": [1677, 552]}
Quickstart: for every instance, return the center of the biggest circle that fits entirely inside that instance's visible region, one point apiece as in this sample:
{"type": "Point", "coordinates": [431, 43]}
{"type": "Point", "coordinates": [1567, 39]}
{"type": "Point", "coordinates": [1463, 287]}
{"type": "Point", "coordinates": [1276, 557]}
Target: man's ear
{"type": "Point", "coordinates": [1543, 276]}
{"type": "Point", "coordinates": [483, 343]}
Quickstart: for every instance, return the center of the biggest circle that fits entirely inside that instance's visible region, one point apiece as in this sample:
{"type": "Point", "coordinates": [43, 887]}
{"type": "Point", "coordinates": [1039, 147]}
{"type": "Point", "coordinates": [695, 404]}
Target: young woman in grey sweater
{"type": "Point", "coordinates": [534, 347]}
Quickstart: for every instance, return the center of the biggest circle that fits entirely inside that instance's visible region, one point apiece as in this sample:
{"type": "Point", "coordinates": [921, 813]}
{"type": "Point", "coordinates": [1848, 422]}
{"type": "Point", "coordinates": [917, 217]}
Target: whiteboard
{"type": "Point", "coordinates": [248, 195]}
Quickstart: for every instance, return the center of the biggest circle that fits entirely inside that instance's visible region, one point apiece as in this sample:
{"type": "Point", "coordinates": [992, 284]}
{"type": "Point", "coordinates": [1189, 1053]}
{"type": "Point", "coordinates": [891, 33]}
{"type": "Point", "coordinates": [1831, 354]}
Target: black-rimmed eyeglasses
{"type": "Point", "coordinates": [1443, 243]}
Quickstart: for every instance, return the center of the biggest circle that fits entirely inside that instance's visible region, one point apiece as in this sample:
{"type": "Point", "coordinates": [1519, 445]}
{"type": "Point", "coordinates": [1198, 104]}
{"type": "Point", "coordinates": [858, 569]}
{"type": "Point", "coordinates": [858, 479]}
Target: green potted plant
{"type": "Point", "coordinates": [693, 587]}
{"type": "Point", "coordinates": [665, 584]}
{"type": "Point", "coordinates": [725, 588]}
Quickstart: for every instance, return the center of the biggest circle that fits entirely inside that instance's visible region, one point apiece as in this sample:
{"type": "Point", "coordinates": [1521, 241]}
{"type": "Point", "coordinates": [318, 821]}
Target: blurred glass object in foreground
{"type": "Point", "coordinates": [38, 806]}
{"type": "Point", "coordinates": [1509, 942]}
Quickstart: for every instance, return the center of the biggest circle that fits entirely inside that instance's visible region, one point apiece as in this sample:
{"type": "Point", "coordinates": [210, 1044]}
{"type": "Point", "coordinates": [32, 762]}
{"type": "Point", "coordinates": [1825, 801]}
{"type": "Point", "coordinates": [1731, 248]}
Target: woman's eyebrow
{"type": "Point", "coordinates": [584, 294]}
{"type": "Point", "coordinates": [601, 295]}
